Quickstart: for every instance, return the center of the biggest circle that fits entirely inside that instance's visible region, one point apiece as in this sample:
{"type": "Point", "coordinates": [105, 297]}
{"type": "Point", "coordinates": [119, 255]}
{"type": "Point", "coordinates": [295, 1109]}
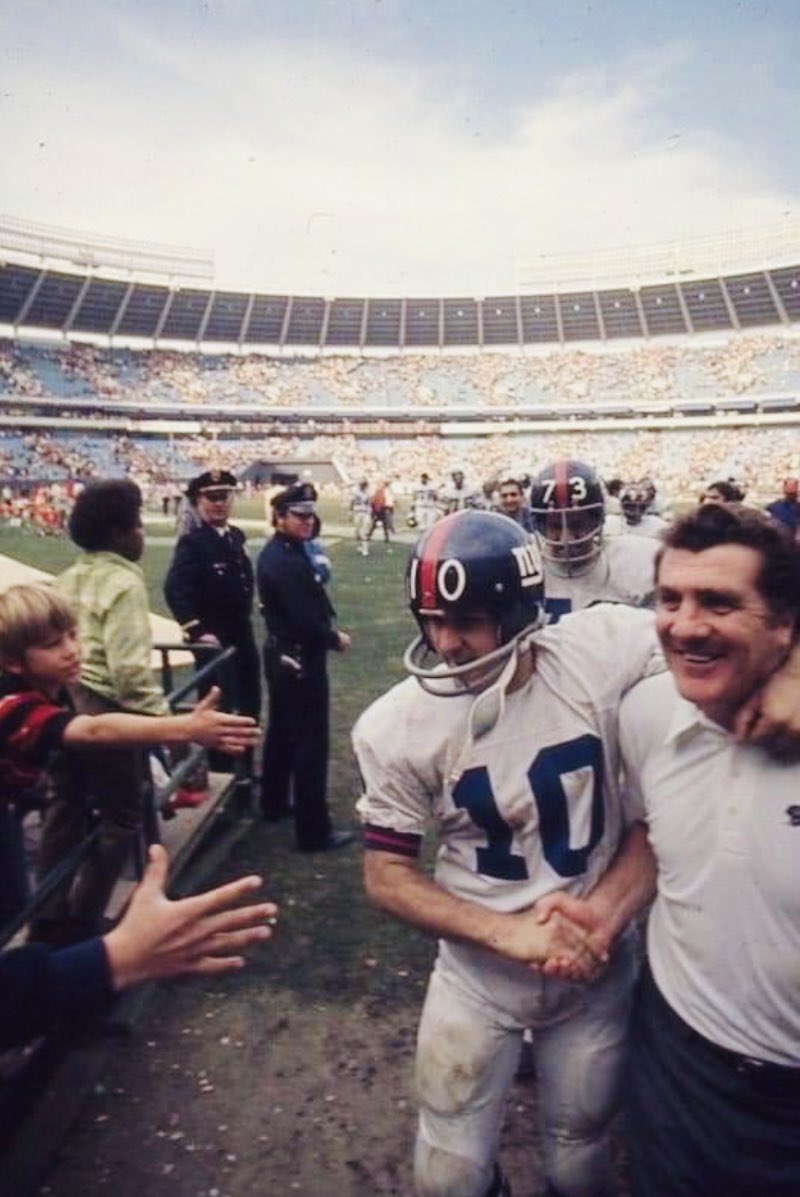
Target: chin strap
{"type": "Point", "coordinates": [488, 707]}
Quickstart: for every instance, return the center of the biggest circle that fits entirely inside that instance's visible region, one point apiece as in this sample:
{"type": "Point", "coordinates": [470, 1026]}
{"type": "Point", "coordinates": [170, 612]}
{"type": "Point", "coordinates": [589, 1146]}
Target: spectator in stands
{"type": "Point", "coordinates": [787, 510]}
{"type": "Point", "coordinates": [106, 588]}
{"type": "Point", "coordinates": [209, 588]}
{"type": "Point", "coordinates": [45, 991]}
{"type": "Point", "coordinates": [39, 658]}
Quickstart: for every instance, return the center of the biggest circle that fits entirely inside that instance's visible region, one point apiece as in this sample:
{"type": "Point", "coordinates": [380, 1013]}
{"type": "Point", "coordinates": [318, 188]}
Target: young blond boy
{"type": "Point", "coordinates": [39, 658]}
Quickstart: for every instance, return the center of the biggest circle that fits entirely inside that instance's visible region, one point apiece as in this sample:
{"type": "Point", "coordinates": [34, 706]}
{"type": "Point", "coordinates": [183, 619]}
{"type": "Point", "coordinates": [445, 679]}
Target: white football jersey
{"type": "Point", "coordinates": [424, 495]}
{"type": "Point", "coordinates": [360, 503]}
{"type": "Point", "coordinates": [649, 525]}
{"type": "Point", "coordinates": [456, 498]}
{"type": "Point", "coordinates": [624, 572]}
{"type": "Point", "coordinates": [532, 805]}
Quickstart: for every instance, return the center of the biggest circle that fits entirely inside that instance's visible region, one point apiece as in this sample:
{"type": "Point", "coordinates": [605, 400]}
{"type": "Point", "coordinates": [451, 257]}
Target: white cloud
{"type": "Point", "coordinates": [319, 171]}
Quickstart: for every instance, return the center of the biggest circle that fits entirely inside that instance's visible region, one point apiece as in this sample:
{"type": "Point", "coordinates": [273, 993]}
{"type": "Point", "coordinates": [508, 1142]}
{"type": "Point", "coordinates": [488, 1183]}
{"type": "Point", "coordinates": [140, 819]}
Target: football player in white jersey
{"type": "Point", "coordinates": [458, 495]}
{"type": "Point", "coordinates": [581, 566]}
{"type": "Point", "coordinates": [508, 749]}
{"type": "Point", "coordinates": [361, 512]}
{"type": "Point", "coordinates": [640, 520]}
{"type": "Point", "coordinates": [424, 503]}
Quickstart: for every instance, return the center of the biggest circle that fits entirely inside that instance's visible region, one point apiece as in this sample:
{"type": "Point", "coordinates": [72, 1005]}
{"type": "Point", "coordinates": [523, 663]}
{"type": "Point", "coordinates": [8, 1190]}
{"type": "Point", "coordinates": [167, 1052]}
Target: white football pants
{"type": "Point", "coordinates": [468, 1045]}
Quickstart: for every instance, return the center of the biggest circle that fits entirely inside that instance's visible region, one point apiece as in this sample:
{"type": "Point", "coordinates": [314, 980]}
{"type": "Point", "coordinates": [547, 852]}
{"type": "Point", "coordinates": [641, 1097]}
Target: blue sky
{"type": "Point", "coordinates": [398, 146]}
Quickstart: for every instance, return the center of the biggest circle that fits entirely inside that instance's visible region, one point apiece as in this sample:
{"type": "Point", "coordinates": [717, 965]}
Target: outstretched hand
{"type": "Point", "coordinates": [220, 729]}
{"type": "Point", "coordinates": [202, 934]}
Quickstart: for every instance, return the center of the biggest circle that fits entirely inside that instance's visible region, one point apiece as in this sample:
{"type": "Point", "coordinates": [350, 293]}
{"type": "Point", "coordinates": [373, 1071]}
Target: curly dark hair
{"type": "Point", "coordinates": [102, 511]}
{"type": "Point", "coordinates": [729, 491]}
{"type": "Point", "coordinates": [714, 524]}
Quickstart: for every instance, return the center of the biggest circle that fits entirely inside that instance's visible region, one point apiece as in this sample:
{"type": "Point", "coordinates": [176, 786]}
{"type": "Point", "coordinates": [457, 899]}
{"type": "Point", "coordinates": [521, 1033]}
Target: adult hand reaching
{"type": "Point", "coordinates": [204, 934]}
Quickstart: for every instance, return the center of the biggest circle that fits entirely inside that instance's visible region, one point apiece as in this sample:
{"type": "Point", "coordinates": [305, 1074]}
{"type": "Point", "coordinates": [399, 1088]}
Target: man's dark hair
{"type": "Point", "coordinates": [714, 524]}
{"type": "Point", "coordinates": [730, 492]}
{"type": "Point", "coordinates": [102, 511]}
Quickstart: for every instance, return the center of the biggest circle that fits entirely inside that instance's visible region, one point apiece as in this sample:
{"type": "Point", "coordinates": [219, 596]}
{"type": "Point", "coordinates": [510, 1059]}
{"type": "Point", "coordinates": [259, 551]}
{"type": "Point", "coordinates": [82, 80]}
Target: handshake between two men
{"type": "Point", "coordinates": [570, 937]}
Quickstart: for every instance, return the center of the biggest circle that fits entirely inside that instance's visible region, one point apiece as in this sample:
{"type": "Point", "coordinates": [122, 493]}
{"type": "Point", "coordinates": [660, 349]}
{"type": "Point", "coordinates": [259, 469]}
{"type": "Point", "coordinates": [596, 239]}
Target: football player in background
{"type": "Point", "coordinates": [581, 566]}
{"type": "Point", "coordinates": [636, 499]}
{"type": "Point", "coordinates": [424, 503]}
{"type": "Point", "coordinates": [361, 512]}
{"type": "Point", "coordinates": [458, 495]}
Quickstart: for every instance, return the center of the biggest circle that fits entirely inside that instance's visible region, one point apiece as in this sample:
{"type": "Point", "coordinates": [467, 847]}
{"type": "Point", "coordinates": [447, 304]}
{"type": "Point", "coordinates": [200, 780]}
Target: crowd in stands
{"type": "Point", "coordinates": [682, 460]}
{"type": "Point", "coordinates": [655, 372]}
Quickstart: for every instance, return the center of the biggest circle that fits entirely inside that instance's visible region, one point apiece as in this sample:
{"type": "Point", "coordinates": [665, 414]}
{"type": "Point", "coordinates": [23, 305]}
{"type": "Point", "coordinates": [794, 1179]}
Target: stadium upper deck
{"type": "Point", "coordinates": [73, 299]}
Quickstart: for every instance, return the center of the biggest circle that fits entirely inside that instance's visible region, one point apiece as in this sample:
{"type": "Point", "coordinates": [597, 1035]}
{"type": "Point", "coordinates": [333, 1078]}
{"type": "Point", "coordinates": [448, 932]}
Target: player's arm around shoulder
{"type": "Point", "coordinates": [603, 650]}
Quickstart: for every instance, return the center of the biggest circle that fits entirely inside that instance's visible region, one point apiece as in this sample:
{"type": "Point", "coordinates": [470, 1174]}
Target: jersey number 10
{"type": "Point", "coordinates": [473, 793]}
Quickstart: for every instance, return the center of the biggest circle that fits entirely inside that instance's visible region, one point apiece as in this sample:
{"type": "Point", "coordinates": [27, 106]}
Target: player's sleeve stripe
{"type": "Point", "coordinates": [385, 839]}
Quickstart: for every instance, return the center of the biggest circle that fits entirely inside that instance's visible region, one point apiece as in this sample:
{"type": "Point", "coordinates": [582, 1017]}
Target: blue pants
{"type": "Point", "coordinates": [702, 1120]}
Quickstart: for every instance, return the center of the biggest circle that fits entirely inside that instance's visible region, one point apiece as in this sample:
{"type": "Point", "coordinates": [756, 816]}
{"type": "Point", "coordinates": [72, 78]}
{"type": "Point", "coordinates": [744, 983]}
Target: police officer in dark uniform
{"type": "Point", "coordinates": [301, 630]}
{"type": "Point", "coordinates": [209, 589]}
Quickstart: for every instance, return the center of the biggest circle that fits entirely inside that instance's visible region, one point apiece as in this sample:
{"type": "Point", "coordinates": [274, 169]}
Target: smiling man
{"type": "Point", "coordinates": [713, 1091]}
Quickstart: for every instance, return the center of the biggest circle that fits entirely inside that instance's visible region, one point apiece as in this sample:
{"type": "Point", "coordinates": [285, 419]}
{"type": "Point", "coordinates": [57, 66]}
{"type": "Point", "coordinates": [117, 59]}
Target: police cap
{"type": "Point", "coordinates": [211, 480]}
{"type": "Point", "coordinates": [299, 499]}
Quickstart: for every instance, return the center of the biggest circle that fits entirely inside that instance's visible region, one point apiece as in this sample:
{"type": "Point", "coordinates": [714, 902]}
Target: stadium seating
{"type": "Point", "coordinates": [74, 302]}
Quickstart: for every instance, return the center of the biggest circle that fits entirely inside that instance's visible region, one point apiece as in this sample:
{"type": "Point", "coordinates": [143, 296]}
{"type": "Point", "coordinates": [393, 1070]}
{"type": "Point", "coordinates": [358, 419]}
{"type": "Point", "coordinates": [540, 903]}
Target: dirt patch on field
{"type": "Point", "coordinates": [293, 1077]}
{"type": "Point", "coordinates": [222, 1095]}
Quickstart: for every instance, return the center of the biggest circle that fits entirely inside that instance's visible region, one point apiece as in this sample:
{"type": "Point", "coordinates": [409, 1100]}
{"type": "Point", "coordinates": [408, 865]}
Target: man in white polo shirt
{"type": "Point", "coordinates": [713, 1089]}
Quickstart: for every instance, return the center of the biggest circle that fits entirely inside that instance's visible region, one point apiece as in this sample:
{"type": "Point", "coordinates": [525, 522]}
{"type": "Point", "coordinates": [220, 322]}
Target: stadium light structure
{"type": "Point", "coordinates": [89, 251]}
